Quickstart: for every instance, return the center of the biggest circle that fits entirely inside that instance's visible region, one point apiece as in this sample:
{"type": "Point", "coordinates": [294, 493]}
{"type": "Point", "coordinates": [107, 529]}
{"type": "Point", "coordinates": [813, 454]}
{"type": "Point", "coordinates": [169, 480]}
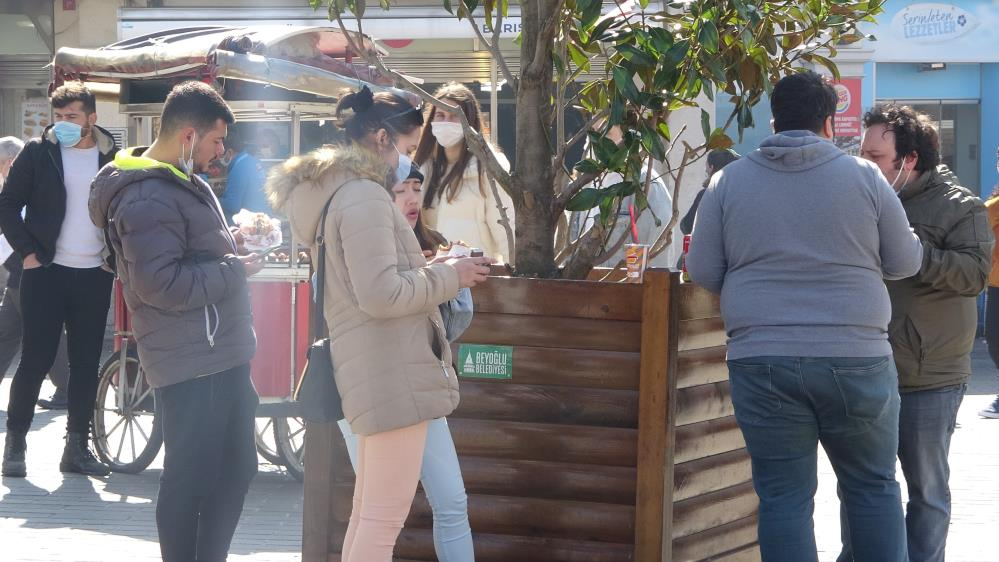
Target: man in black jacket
{"type": "Point", "coordinates": [64, 279]}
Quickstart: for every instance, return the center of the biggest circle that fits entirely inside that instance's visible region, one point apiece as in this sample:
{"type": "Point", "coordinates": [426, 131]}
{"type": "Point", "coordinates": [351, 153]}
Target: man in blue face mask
{"type": "Point", "coordinates": [65, 279]}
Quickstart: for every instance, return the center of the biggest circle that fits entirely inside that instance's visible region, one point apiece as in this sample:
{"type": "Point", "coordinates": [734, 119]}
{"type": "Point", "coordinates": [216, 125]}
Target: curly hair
{"type": "Point", "coordinates": [914, 132]}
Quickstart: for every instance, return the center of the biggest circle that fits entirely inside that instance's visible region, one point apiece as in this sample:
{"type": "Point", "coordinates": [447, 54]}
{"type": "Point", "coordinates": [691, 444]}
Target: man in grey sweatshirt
{"type": "Point", "coordinates": [798, 239]}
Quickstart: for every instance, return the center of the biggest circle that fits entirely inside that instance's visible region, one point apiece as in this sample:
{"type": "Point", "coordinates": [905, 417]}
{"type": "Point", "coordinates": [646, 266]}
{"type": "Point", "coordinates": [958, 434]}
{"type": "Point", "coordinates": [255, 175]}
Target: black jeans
{"type": "Point", "coordinates": [11, 325]}
{"type": "Point", "coordinates": [210, 459]}
{"type": "Point", "coordinates": [53, 296]}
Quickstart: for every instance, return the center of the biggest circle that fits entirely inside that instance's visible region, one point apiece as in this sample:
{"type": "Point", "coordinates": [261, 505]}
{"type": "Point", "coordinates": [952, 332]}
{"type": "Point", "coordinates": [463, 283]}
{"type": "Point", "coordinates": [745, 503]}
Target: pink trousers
{"type": "Point", "coordinates": [388, 469]}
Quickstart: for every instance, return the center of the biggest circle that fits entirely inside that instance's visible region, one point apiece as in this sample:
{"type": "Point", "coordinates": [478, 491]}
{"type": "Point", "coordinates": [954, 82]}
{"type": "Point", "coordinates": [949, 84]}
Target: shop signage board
{"type": "Point", "coordinates": [848, 113]}
{"type": "Point", "coordinates": [485, 361]}
{"type": "Point", "coordinates": [956, 31]}
{"type": "Point", "coordinates": [35, 116]}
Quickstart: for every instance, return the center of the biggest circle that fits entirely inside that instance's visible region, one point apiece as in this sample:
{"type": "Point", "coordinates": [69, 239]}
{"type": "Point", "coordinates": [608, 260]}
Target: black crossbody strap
{"type": "Point", "coordinates": [319, 328]}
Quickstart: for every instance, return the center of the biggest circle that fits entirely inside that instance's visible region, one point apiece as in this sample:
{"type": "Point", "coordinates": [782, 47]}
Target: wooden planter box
{"type": "Point", "coordinates": [613, 441]}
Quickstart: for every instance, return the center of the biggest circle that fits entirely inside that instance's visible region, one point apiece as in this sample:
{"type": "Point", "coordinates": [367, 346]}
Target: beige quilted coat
{"type": "Point", "coordinates": [392, 362]}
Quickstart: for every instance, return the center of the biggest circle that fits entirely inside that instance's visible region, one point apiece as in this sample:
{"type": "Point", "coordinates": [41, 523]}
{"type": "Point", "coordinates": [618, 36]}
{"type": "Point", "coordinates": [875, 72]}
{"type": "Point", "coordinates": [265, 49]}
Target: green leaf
{"type": "Point", "coordinates": [558, 62]}
{"type": "Point", "coordinates": [676, 53]}
{"type": "Point", "coordinates": [357, 8]}
{"type": "Point", "coordinates": [585, 200]}
{"type": "Point", "coordinates": [705, 124]}
{"type": "Point", "coordinates": [662, 40]}
{"type": "Point", "coordinates": [636, 56]}
{"type": "Point", "coordinates": [625, 83]}
{"type": "Point", "coordinates": [819, 59]}
{"type": "Point", "coordinates": [448, 7]}
{"type": "Point", "coordinates": [617, 111]}
{"type": "Point", "coordinates": [589, 12]}
{"type": "Point", "coordinates": [664, 130]}
{"type": "Point", "coordinates": [470, 5]}
{"type": "Point", "coordinates": [589, 166]}
{"type": "Point", "coordinates": [605, 24]}
{"type": "Point", "coordinates": [578, 57]}
{"type": "Point", "coordinates": [708, 37]}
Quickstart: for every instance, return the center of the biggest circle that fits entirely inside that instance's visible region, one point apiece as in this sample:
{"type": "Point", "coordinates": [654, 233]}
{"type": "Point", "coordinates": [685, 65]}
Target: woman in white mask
{"type": "Point", "coordinates": [458, 198]}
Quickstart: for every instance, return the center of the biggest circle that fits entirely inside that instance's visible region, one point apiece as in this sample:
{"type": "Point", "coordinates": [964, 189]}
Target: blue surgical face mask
{"type": "Point", "coordinates": [69, 134]}
{"type": "Point", "coordinates": [403, 169]}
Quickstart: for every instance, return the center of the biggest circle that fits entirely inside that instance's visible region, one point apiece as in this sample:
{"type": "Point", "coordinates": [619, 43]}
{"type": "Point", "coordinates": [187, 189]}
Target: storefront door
{"type": "Point", "coordinates": [959, 124]}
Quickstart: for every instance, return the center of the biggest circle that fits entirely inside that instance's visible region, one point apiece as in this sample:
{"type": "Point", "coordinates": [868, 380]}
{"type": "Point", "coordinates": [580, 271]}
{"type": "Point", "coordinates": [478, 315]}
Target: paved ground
{"type": "Point", "coordinates": [55, 518]}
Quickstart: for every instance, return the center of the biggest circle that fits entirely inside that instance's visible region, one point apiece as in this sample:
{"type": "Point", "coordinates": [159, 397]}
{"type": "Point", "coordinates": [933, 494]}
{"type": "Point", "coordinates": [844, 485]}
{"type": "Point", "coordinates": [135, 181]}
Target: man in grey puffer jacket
{"type": "Point", "coordinates": [798, 238]}
{"type": "Point", "coordinates": [185, 285]}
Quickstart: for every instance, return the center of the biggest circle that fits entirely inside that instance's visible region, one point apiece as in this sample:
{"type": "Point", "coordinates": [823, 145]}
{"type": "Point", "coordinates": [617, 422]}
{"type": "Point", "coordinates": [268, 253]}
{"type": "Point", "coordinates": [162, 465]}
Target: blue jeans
{"type": "Point", "coordinates": [926, 424]}
{"type": "Point", "coordinates": [445, 489]}
{"type": "Point", "coordinates": [785, 407]}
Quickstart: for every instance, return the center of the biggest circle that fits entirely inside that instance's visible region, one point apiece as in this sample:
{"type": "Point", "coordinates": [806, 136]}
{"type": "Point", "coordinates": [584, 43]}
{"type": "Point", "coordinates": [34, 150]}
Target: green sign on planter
{"type": "Point", "coordinates": [485, 361]}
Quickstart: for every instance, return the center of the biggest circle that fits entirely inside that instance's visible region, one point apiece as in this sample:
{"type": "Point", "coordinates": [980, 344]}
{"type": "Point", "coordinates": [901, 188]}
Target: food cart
{"type": "Point", "coordinates": [280, 77]}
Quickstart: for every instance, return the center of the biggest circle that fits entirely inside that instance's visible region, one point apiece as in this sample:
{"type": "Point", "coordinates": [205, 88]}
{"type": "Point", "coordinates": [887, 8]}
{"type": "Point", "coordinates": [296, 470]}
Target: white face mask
{"type": "Point", "coordinates": [187, 164]}
{"type": "Point", "coordinates": [898, 175]}
{"type": "Point", "coordinates": [447, 133]}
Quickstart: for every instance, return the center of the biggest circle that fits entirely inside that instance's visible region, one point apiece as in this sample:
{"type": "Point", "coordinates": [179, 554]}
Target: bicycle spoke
{"type": "Point", "coordinates": [121, 443]}
{"type": "Point", "coordinates": [132, 436]}
{"type": "Point", "coordinates": [142, 431]}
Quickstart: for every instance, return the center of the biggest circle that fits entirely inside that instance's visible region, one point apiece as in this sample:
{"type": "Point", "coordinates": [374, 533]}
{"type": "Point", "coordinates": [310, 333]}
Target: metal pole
{"type": "Point", "coordinates": [493, 101]}
{"type": "Point", "coordinates": [296, 148]}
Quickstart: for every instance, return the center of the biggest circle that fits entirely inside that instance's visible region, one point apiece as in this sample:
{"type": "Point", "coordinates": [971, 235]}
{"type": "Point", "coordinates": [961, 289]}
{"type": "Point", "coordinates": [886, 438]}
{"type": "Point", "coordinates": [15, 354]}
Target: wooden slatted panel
{"type": "Point", "coordinates": [715, 509]}
{"type": "Point", "coordinates": [701, 366]}
{"type": "Point", "coordinates": [573, 299]}
{"type": "Point", "coordinates": [511, 548]}
{"type": "Point", "coordinates": [551, 404]}
{"type": "Point", "coordinates": [749, 553]}
{"type": "Point", "coordinates": [557, 332]}
{"type": "Point", "coordinates": [715, 504]}
{"type": "Point", "coordinates": [719, 540]}
{"type": "Point", "coordinates": [533, 517]}
{"type": "Point", "coordinates": [699, 440]}
{"type": "Point", "coordinates": [703, 403]}
{"type": "Point", "coordinates": [549, 480]}
{"type": "Point", "coordinates": [709, 474]}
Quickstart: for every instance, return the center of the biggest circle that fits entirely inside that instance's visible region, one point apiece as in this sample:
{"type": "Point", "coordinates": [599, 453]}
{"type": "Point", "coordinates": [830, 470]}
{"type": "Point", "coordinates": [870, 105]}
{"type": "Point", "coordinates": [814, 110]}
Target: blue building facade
{"type": "Point", "coordinates": [943, 59]}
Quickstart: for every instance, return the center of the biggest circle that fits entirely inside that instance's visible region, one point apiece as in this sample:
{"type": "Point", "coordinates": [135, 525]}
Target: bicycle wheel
{"type": "Point", "coordinates": [264, 438]}
{"type": "Point", "coordinates": [289, 434]}
{"type": "Point", "coordinates": [127, 432]}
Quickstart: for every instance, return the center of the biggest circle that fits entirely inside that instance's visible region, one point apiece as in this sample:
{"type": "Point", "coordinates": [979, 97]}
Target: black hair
{"type": "Point", "coordinates": [194, 104]}
{"type": "Point", "coordinates": [718, 159]}
{"type": "Point", "coordinates": [73, 91]}
{"type": "Point", "coordinates": [415, 174]}
{"type": "Point", "coordinates": [372, 112]}
{"type": "Point", "coordinates": [913, 131]}
{"type": "Point", "coordinates": [802, 102]}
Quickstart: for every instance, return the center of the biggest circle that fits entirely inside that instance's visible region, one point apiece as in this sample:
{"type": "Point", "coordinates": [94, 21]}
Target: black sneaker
{"type": "Point", "coordinates": [59, 401]}
{"type": "Point", "coordinates": [15, 446]}
{"type": "Point", "coordinates": [992, 411]}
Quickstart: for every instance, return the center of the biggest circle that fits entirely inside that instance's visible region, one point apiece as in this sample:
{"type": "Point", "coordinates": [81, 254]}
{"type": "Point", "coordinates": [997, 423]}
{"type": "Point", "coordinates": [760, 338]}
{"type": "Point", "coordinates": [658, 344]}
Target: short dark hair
{"type": "Point", "coordinates": [194, 104]}
{"type": "Point", "coordinates": [71, 92]}
{"type": "Point", "coordinates": [718, 159]}
{"type": "Point", "coordinates": [371, 112]}
{"type": "Point", "coordinates": [802, 102]}
{"type": "Point", "coordinates": [914, 132]}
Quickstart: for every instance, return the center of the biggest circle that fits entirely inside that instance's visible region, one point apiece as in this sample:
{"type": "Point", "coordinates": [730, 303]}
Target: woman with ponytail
{"type": "Point", "coordinates": [390, 355]}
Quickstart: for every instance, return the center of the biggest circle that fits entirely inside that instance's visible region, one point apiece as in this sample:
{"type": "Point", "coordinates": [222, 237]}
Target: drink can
{"type": "Point", "coordinates": [684, 276]}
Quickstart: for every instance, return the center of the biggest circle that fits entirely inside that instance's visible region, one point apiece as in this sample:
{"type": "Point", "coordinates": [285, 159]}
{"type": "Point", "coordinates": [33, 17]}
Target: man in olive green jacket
{"type": "Point", "coordinates": [934, 313]}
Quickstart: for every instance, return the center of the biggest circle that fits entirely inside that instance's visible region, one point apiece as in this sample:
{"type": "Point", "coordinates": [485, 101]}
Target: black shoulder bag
{"type": "Point", "coordinates": [316, 394]}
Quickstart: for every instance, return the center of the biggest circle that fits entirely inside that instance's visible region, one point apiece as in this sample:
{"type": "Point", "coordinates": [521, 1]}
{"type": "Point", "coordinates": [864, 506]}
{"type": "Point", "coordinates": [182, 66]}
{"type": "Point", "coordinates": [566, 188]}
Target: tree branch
{"type": "Point", "coordinates": [546, 38]}
{"type": "Point", "coordinates": [504, 221]}
{"type": "Point", "coordinates": [558, 162]}
{"type": "Point", "coordinates": [493, 48]}
{"type": "Point", "coordinates": [476, 142]}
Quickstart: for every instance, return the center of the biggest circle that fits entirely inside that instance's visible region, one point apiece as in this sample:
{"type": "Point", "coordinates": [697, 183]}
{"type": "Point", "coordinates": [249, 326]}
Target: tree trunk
{"type": "Point", "coordinates": [535, 227]}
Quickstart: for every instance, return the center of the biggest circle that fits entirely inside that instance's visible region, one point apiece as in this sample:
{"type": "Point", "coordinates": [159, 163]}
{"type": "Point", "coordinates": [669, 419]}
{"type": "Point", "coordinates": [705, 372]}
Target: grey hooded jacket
{"type": "Point", "coordinates": [798, 238]}
{"type": "Point", "coordinates": [184, 286]}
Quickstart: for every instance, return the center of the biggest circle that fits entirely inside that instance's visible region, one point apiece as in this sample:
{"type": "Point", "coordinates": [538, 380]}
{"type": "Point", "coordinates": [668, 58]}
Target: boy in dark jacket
{"type": "Point", "coordinates": [185, 285]}
{"type": "Point", "coordinates": [64, 279]}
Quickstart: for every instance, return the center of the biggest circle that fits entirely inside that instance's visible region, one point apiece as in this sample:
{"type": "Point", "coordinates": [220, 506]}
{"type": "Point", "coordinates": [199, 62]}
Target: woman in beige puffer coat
{"type": "Point", "coordinates": [391, 359]}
